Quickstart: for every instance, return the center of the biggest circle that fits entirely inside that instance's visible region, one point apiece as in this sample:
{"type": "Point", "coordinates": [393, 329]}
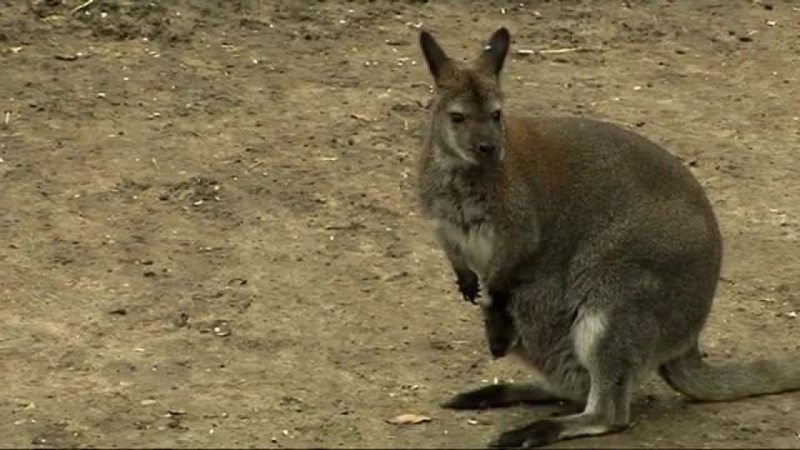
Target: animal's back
{"type": "Point", "coordinates": [580, 159]}
{"type": "Point", "coordinates": [613, 200]}
{"type": "Point", "coordinates": [607, 186]}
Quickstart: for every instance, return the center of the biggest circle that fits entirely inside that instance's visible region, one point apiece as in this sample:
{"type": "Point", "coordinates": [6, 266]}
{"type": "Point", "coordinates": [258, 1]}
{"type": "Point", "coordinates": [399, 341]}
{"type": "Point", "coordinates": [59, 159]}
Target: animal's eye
{"type": "Point", "coordinates": [497, 114]}
{"type": "Point", "coordinates": [457, 117]}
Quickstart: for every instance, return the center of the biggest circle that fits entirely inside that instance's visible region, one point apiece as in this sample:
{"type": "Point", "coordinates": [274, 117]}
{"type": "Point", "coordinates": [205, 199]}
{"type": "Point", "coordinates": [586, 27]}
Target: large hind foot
{"type": "Point", "coordinates": [501, 395]}
{"type": "Point", "coordinates": [547, 431]}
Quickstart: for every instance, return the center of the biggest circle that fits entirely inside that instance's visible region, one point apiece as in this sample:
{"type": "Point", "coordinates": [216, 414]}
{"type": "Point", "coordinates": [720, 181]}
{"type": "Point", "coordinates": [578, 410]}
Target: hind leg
{"type": "Point", "coordinates": [607, 410]}
{"type": "Point", "coordinates": [502, 395]}
{"type": "Point", "coordinates": [613, 344]}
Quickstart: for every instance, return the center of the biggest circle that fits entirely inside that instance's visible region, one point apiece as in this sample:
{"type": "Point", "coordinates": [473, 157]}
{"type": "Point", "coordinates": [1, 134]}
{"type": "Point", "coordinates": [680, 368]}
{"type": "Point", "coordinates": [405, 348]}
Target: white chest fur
{"type": "Point", "coordinates": [476, 244]}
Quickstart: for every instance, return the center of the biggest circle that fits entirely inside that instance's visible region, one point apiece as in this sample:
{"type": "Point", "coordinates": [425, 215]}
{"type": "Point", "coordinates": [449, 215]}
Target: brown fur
{"type": "Point", "coordinates": [536, 157]}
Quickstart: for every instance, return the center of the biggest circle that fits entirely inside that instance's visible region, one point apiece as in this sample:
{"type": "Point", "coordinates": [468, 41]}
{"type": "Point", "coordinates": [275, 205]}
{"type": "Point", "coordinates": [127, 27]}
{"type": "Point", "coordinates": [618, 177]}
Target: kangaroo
{"type": "Point", "coordinates": [598, 250]}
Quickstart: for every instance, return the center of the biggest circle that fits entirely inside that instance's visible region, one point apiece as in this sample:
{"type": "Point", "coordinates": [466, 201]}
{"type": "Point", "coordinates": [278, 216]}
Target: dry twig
{"type": "Point", "coordinates": [82, 6]}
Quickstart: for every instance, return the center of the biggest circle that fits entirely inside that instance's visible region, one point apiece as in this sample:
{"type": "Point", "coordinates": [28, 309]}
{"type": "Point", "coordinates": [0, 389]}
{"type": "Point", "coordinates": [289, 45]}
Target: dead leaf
{"type": "Point", "coordinates": [361, 117]}
{"type": "Point", "coordinates": [408, 419]}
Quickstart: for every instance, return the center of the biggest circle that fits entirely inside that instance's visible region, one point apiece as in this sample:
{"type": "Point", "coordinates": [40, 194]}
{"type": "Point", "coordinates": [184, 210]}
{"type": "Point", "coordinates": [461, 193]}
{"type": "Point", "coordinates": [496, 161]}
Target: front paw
{"type": "Point", "coordinates": [536, 434]}
{"type": "Point", "coordinates": [469, 288]}
{"type": "Point", "coordinates": [471, 297]}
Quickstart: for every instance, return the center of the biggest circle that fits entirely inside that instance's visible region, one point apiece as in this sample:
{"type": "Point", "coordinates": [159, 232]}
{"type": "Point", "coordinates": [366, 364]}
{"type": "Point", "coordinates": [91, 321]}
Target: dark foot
{"type": "Point", "coordinates": [468, 286]}
{"type": "Point", "coordinates": [500, 395]}
{"type": "Point", "coordinates": [536, 434]}
{"type": "Point", "coordinates": [491, 396]}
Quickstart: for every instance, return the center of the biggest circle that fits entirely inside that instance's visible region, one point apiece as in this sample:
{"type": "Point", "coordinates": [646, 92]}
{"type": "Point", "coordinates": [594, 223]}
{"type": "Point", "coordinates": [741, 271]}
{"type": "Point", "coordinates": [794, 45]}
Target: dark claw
{"type": "Point", "coordinates": [482, 398]}
{"type": "Point", "coordinates": [536, 434]}
{"type": "Point", "coordinates": [471, 298]}
{"type": "Point", "coordinates": [457, 402]}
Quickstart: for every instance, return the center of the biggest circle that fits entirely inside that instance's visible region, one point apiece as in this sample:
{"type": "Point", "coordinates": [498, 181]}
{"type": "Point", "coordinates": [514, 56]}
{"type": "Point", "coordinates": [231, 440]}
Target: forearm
{"type": "Point", "coordinates": [466, 279]}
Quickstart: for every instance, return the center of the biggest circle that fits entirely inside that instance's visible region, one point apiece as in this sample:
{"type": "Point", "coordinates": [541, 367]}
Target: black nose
{"type": "Point", "coordinates": [487, 148]}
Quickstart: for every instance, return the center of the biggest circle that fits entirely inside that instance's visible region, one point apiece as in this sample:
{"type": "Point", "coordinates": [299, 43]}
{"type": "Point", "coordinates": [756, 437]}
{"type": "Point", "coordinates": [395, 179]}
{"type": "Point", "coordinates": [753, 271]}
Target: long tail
{"type": "Point", "coordinates": [691, 376]}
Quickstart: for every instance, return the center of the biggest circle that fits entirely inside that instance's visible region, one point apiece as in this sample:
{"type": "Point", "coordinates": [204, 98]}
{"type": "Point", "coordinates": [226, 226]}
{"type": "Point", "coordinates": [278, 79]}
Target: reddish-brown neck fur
{"type": "Point", "coordinates": [531, 155]}
{"type": "Point", "coordinates": [534, 168]}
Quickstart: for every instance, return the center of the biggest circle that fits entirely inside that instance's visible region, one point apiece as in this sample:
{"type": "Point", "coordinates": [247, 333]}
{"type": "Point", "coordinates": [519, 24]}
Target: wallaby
{"type": "Point", "coordinates": [598, 250]}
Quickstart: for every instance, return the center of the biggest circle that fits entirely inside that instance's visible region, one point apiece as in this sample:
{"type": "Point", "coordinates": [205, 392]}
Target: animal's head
{"type": "Point", "coordinates": [468, 124]}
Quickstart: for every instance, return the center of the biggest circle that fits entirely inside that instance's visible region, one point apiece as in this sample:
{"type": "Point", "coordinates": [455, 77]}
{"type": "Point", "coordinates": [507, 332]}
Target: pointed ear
{"type": "Point", "coordinates": [494, 54]}
{"type": "Point", "coordinates": [434, 55]}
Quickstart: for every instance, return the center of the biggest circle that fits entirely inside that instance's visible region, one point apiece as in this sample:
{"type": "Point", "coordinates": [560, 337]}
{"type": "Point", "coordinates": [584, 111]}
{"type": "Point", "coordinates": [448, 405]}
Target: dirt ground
{"type": "Point", "coordinates": [210, 235]}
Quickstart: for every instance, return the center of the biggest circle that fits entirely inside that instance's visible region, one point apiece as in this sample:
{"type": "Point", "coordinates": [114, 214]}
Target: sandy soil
{"type": "Point", "coordinates": [210, 236]}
